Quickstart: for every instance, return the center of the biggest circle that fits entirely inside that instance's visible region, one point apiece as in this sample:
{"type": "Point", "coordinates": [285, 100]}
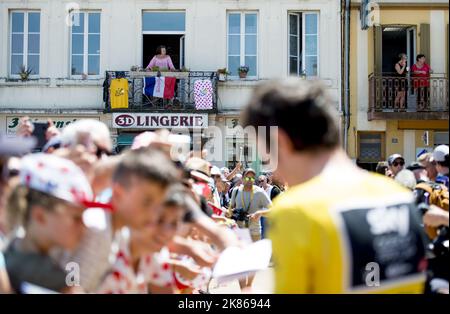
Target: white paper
{"type": "Point", "coordinates": [243, 235]}
{"type": "Point", "coordinates": [235, 263]}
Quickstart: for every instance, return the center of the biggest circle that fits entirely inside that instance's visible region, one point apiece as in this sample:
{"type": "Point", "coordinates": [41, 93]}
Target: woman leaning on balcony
{"type": "Point", "coordinates": [161, 60]}
{"type": "Point", "coordinates": [401, 69]}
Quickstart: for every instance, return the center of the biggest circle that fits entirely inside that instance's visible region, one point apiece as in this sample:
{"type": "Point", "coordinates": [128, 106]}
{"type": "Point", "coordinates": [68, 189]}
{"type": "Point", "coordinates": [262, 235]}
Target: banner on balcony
{"type": "Point", "coordinates": [203, 94]}
{"type": "Point", "coordinates": [161, 87]}
{"type": "Point", "coordinates": [119, 93]}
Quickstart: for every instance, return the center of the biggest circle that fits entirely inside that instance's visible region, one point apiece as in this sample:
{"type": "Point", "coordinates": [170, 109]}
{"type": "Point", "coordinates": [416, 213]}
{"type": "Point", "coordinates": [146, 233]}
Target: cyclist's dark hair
{"type": "Point", "coordinates": [300, 108]}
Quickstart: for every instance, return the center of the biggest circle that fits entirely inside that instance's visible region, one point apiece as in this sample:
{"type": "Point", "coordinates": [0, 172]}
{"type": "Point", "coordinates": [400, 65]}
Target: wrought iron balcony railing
{"type": "Point", "coordinates": [183, 100]}
{"type": "Point", "coordinates": [408, 97]}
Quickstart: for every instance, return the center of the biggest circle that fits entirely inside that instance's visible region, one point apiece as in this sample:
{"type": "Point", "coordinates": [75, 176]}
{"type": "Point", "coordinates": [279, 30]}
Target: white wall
{"type": "Point", "coordinates": [362, 89]}
{"type": "Point", "coordinates": [206, 45]}
{"type": "Point", "coordinates": [409, 146]}
{"type": "Point", "coordinates": [437, 44]}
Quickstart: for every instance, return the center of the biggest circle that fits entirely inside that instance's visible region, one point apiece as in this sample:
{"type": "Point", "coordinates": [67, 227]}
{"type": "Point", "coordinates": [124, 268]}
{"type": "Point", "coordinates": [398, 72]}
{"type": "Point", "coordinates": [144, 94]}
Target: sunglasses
{"type": "Point", "coordinates": [401, 163]}
{"type": "Point", "coordinates": [249, 179]}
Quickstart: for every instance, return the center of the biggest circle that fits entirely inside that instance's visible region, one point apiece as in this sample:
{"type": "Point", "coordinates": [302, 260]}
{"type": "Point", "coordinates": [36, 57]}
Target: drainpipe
{"type": "Point", "coordinates": [346, 101]}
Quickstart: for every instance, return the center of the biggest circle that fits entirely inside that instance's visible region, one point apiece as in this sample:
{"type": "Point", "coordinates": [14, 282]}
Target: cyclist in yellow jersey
{"type": "Point", "coordinates": [338, 229]}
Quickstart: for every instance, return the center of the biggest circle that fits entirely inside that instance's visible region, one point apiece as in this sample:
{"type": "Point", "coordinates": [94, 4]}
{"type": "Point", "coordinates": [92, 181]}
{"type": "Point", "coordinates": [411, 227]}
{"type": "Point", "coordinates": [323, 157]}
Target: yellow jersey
{"type": "Point", "coordinates": [119, 93]}
{"type": "Point", "coordinates": [347, 233]}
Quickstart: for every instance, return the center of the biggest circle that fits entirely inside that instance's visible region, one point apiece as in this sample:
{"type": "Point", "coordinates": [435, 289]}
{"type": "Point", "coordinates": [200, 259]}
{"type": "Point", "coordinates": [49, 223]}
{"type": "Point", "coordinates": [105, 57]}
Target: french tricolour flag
{"type": "Point", "coordinates": [162, 87]}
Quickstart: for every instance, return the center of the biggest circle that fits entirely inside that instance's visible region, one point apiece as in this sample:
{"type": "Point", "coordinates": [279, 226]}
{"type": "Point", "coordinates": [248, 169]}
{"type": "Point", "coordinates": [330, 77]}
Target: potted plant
{"type": "Point", "coordinates": [222, 74]}
{"type": "Point", "coordinates": [303, 75]}
{"type": "Point", "coordinates": [25, 73]}
{"type": "Point", "coordinates": [243, 70]}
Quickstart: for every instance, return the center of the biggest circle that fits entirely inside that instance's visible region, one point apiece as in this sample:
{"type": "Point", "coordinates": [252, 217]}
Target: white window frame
{"type": "Point", "coordinates": [182, 33]}
{"type": "Point", "coordinates": [163, 32]}
{"type": "Point", "coordinates": [299, 36]}
{"type": "Point", "coordinates": [242, 41]}
{"type": "Point", "coordinates": [86, 45]}
{"type": "Point", "coordinates": [302, 36]}
{"type": "Point", "coordinates": [25, 42]}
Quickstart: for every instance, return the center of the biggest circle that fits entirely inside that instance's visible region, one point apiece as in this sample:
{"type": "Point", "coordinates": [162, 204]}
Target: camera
{"type": "Point", "coordinates": [239, 214]}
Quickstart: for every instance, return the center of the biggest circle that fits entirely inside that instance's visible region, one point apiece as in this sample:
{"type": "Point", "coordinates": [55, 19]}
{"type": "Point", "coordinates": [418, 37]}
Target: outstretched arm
{"type": "Point", "coordinates": [170, 63]}
{"type": "Point", "coordinates": [152, 63]}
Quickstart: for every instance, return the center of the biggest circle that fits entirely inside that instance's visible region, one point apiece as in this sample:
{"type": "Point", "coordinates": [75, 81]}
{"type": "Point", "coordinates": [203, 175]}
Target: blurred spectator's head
{"type": "Point", "coordinates": [237, 180]}
{"type": "Point", "coordinates": [140, 181]}
{"type": "Point", "coordinates": [396, 163]}
{"type": "Point", "coordinates": [406, 178]}
{"type": "Point", "coordinates": [174, 208]}
{"type": "Point", "coordinates": [91, 134]}
{"type": "Point", "coordinates": [225, 171]}
{"type": "Point", "coordinates": [421, 58]}
{"type": "Point", "coordinates": [262, 181]}
{"type": "Point", "coordinates": [10, 147]}
{"type": "Point", "coordinates": [382, 166]}
{"type": "Point", "coordinates": [49, 201]}
{"type": "Point", "coordinates": [430, 165]}
{"type": "Point", "coordinates": [216, 174]}
{"type": "Point", "coordinates": [419, 171]}
{"type": "Point", "coordinates": [440, 155]}
{"type": "Point", "coordinates": [249, 177]}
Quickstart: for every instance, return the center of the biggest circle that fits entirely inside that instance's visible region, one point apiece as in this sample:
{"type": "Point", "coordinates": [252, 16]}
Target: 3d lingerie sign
{"type": "Point", "coordinates": [159, 121]}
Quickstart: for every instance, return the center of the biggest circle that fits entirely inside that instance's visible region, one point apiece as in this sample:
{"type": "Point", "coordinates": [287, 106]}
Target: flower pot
{"type": "Point", "coordinates": [222, 77]}
{"type": "Point", "coordinates": [242, 75]}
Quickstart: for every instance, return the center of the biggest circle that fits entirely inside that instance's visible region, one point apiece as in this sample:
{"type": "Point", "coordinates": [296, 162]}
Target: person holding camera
{"type": "Point", "coordinates": [248, 204]}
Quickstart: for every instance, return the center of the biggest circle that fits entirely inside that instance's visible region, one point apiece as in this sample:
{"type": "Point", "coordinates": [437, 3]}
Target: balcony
{"type": "Point", "coordinates": [425, 99]}
{"type": "Point", "coordinates": [183, 100]}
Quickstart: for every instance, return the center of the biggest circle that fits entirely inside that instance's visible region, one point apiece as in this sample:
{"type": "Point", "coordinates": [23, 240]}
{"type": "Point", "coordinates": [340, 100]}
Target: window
{"type": "Point", "coordinates": [440, 138]}
{"type": "Point", "coordinates": [371, 147]}
{"type": "Point", "coordinates": [25, 41]}
{"type": "Point", "coordinates": [303, 42]}
{"type": "Point", "coordinates": [163, 22]}
{"type": "Point", "coordinates": [85, 44]}
{"type": "Point", "coordinates": [243, 42]}
{"type": "Point", "coordinates": [164, 28]}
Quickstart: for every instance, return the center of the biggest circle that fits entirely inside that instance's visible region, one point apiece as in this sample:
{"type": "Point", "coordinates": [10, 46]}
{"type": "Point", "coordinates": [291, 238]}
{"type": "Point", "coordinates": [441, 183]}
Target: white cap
{"type": "Point", "coordinates": [87, 132]}
{"type": "Point", "coordinates": [440, 152]}
{"type": "Point", "coordinates": [57, 177]}
{"type": "Point", "coordinates": [215, 171]}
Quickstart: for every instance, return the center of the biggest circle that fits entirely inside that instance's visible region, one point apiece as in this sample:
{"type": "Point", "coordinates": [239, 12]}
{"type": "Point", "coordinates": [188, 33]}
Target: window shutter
{"type": "Point", "coordinates": [425, 41]}
{"type": "Point", "coordinates": [378, 50]}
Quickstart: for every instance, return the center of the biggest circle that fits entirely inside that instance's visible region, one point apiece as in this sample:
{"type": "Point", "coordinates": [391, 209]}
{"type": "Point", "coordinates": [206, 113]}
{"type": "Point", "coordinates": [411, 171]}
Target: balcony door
{"type": "Point", "coordinates": [390, 42]}
{"type": "Point", "coordinates": [174, 46]}
{"type": "Point", "coordinates": [397, 40]}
